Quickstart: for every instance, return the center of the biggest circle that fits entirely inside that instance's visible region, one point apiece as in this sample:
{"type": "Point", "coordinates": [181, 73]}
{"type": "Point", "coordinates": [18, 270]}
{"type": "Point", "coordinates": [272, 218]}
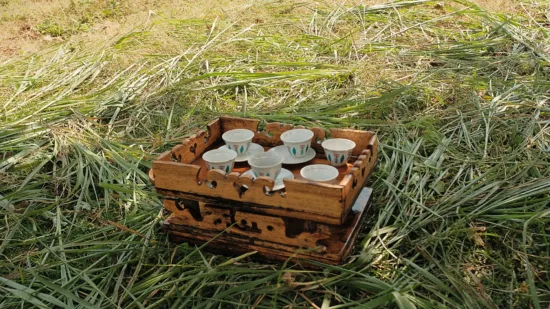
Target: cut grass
{"type": "Point", "coordinates": [458, 95]}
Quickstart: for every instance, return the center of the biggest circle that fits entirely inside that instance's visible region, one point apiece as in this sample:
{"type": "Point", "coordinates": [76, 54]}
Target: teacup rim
{"type": "Point", "coordinates": [324, 143]}
{"type": "Point", "coordinates": [266, 154]}
{"type": "Point", "coordinates": [310, 135]}
{"type": "Point", "coordinates": [323, 166]}
{"type": "Point", "coordinates": [250, 132]}
{"type": "Point", "coordinates": [233, 153]}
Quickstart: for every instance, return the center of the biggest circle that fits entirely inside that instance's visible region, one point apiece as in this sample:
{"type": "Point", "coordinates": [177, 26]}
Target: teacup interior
{"type": "Point", "coordinates": [338, 144]}
{"type": "Point", "coordinates": [238, 135]}
{"type": "Point", "coordinates": [265, 160]}
{"type": "Point", "coordinates": [296, 135]}
{"type": "Point", "coordinates": [219, 155]}
{"type": "Point", "coordinates": [319, 172]}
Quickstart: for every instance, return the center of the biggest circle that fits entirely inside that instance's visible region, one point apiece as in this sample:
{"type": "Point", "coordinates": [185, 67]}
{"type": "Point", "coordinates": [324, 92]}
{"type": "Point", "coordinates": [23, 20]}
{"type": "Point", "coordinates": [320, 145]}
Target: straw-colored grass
{"type": "Point", "coordinates": [458, 95]}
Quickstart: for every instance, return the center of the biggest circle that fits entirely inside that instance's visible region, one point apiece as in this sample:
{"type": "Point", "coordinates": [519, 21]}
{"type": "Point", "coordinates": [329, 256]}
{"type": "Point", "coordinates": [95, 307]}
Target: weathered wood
{"type": "Point", "coordinates": [173, 174]}
{"type": "Point", "coordinates": [165, 156]}
{"type": "Point", "coordinates": [228, 123]}
{"type": "Point", "coordinates": [194, 146]}
{"type": "Point", "coordinates": [273, 237]}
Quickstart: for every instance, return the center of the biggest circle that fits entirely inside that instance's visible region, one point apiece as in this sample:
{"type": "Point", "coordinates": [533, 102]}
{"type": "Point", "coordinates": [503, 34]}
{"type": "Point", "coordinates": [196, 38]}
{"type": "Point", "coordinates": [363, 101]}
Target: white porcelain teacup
{"type": "Point", "coordinates": [338, 150]}
{"type": "Point", "coordinates": [320, 173]}
{"type": "Point", "coordinates": [220, 159]}
{"type": "Point", "coordinates": [238, 140]}
{"type": "Point", "coordinates": [297, 141]}
{"type": "Point", "coordinates": [266, 164]}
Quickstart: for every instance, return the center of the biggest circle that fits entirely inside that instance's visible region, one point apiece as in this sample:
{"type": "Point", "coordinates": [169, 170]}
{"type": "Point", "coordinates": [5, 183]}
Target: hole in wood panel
{"type": "Point", "coordinates": [354, 184]}
{"type": "Point", "coordinates": [212, 184]}
{"type": "Point", "coordinates": [241, 190]}
{"type": "Point", "coordinates": [217, 221]}
{"type": "Point", "coordinates": [193, 148]}
{"type": "Point", "coordinates": [295, 227]}
{"type": "Point", "coordinates": [208, 212]}
{"type": "Point", "coordinates": [322, 244]}
{"type": "Point", "coordinates": [370, 157]}
{"type": "Point", "coordinates": [179, 158]}
{"type": "Point", "coordinates": [243, 222]}
{"type": "Point", "coordinates": [363, 172]}
{"type": "Point", "coordinates": [180, 205]}
{"type": "Point", "coordinates": [206, 139]}
{"type": "Point", "coordinates": [194, 208]}
{"type": "Point", "coordinates": [269, 228]}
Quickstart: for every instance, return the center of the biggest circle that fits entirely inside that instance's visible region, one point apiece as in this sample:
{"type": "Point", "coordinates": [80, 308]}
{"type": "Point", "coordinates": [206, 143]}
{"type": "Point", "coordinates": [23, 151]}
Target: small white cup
{"type": "Point", "coordinates": [338, 150]}
{"type": "Point", "coordinates": [297, 141]}
{"type": "Point", "coordinates": [238, 140]}
{"type": "Point", "coordinates": [266, 164]}
{"type": "Point", "coordinates": [320, 173]}
{"type": "Point", "coordinates": [220, 159]}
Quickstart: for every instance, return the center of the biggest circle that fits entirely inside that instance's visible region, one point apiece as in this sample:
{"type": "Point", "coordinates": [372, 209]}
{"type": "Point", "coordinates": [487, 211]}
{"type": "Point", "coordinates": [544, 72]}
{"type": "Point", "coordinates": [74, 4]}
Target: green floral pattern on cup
{"type": "Point", "coordinates": [239, 149]}
{"type": "Point", "coordinates": [336, 158]}
{"type": "Point", "coordinates": [226, 168]}
{"type": "Point", "coordinates": [294, 151]}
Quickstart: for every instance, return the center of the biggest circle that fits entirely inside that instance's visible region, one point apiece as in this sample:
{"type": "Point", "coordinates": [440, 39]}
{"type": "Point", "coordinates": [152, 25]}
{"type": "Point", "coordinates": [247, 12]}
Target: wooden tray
{"type": "Point", "coordinates": [182, 174]}
{"type": "Point", "coordinates": [235, 232]}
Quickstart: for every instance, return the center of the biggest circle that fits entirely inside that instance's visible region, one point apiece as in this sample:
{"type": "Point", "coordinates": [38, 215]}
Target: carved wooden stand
{"type": "Point", "coordinates": [237, 214]}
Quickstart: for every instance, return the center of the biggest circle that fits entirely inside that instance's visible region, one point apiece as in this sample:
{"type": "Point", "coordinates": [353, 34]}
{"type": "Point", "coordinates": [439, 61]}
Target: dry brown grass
{"type": "Point", "coordinates": [20, 20]}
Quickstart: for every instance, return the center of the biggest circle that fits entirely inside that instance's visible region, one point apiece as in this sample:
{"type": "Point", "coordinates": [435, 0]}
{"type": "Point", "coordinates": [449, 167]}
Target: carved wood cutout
{"type": "Point", "coordinates": [194, 146]}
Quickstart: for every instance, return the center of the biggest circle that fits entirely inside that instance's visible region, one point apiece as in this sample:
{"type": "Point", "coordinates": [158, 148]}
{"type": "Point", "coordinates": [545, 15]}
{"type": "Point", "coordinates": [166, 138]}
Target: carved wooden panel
{"type": "Point", "coordinates": [275, 238]}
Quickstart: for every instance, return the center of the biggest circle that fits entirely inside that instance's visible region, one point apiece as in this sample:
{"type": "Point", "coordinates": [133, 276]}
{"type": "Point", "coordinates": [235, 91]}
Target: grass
{"type": "Point", "coordinates": [458, 95]}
